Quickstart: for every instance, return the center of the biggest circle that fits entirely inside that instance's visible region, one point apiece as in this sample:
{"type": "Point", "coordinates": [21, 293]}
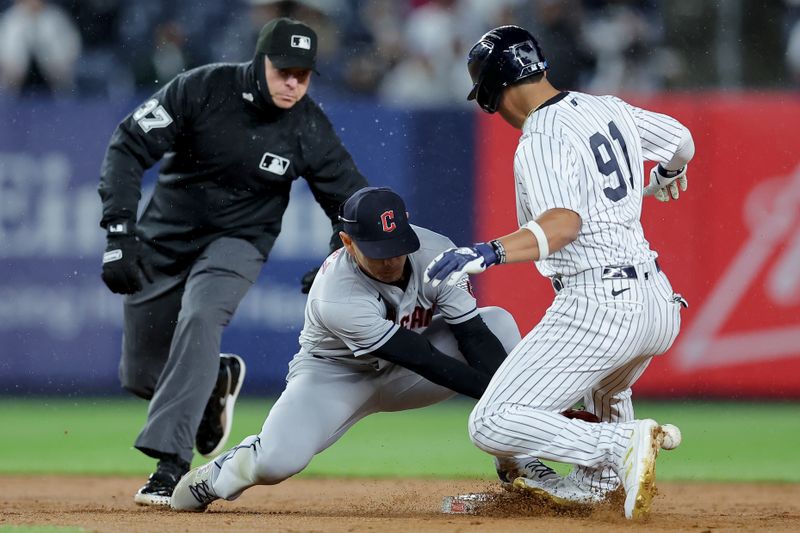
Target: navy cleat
{"type": "Point", "coordinates": [215, 426]}
{"type": "Point", "coordinates": [159, 487]}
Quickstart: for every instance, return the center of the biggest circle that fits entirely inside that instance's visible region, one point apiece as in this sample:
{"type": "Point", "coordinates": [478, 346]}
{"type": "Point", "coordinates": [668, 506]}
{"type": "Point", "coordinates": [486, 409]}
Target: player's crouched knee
{"type": "Point", "coordinates": [478, 428]}
{"type": "Point", "coordinates": [272, 469]}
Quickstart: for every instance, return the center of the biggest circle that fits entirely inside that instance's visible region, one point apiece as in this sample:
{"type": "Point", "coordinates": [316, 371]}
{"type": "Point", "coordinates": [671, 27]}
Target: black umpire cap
{"type": "Point", "coordinates": [288, 43]}
{"type": "Point", "coordinates": [376, 219]}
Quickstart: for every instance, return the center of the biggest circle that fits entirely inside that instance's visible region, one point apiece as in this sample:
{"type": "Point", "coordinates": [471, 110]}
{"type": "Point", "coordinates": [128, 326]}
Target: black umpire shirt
{"type": "Point", "coordinates": [228, 161]}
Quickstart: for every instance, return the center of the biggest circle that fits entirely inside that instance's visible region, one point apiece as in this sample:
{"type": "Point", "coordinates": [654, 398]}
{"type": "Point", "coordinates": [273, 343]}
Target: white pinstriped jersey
{"type": "Point", "coordinates": [349, 314]}
{"type": "Point", "coordinates": [585, 153]}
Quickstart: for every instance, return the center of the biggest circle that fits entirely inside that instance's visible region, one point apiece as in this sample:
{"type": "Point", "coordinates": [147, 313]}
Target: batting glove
{"type": "Point", "coordinates": [452, 264]}
{"type": "Point", "coordinates": [665, 183]}
{"type": "Point", "coordinates": [121, 272]}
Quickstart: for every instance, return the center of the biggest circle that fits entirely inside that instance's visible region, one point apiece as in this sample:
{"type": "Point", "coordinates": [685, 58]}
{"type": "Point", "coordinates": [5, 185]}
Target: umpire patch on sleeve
{"type": "Point", "coordinates": [274, 163]}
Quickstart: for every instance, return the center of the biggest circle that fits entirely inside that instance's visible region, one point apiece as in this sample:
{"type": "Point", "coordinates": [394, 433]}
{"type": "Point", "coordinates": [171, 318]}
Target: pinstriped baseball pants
{"type": "Point", "coordinates": [593, 343]}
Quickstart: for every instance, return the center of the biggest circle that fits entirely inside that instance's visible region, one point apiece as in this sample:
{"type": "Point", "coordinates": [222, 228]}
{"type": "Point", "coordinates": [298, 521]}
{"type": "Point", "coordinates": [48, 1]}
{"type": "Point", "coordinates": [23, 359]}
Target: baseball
{"type": "Point", "coordinates": [672, 437]}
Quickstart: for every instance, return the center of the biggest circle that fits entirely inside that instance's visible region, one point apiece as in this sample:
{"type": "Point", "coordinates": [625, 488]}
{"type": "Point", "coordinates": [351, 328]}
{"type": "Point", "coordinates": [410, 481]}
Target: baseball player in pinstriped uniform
{"type": "Point", "coordinates": [579, 189]}
{"type": "Point", "coordinates": [376, 338]}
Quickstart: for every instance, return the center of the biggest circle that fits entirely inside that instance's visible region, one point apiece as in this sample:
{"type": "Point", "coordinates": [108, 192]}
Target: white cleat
{"type": "Point", "coordinates": [510, 468]}
{"type": "Point", "coordinates": [562, 492]}
{"type": "Point", "coordinates": [638, 468]}
{"type": "Point", "coordinates": [194, 491]}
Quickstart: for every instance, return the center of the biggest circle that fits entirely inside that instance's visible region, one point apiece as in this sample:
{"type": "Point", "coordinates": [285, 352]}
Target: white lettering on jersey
{"type": "Point", "coordinates": [159, 119]}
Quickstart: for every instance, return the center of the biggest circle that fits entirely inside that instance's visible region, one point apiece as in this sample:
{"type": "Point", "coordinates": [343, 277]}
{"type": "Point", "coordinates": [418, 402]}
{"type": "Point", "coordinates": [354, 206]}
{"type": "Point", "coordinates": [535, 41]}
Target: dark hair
{"type": "Point", "coordinates": [536, 78]}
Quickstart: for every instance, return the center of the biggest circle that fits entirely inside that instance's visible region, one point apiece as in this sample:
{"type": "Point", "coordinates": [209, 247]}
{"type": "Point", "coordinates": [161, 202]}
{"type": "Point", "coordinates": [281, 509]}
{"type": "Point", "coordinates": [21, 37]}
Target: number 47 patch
{"type": "Point", "coordinates": [159, 119]}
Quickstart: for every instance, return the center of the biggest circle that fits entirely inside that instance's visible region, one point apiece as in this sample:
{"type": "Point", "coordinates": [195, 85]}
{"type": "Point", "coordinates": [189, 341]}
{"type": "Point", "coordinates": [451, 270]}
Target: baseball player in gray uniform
{"type": "Point", "coordinates": [579, 190]}
{"type": "Point", "coordinates": [376, 338]}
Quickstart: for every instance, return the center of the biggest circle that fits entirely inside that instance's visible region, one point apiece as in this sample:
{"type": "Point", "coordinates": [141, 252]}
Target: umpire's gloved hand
{"type": "Point", "coordinates": [307, 280]}
{"type": "Point", "coordinates": [121, 271]}
{"type": "Point", "coordinates": [663, 181]}
{"type": "Point", "coordinates": [452, 264]}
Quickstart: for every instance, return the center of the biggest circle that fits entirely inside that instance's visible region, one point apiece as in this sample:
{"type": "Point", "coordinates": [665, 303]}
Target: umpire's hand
{"type": "Point", "coordinates": [307, 280]}
{"type": "Point", "coordinates": [121, 272]}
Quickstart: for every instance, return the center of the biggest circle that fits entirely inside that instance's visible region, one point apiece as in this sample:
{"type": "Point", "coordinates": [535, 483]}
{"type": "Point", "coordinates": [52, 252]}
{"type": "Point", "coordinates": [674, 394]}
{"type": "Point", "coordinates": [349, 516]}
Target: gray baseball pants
{"type": "Point", "coordinates": [324, 398]}
{"type": "Point", "coordinates": [171, 341]}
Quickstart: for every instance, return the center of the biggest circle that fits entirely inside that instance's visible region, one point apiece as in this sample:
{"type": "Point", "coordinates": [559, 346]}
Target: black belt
{"type": "Point", "coordinates": [609, 272]}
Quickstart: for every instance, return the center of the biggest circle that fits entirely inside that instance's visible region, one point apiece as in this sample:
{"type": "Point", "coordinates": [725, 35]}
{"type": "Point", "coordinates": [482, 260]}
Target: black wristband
{"type": "Point", "coordinates": [499, 250]}
{"type": "Point", "coordinates": [668, 173]}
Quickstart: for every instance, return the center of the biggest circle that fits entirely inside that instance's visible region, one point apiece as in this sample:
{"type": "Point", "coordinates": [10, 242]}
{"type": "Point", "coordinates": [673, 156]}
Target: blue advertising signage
{"type": "Point", "coordinates": [60, 328]}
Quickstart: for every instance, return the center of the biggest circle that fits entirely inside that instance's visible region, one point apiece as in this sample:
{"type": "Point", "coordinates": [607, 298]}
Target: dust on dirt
{"type": "Point", "coordinates": [352, 505]}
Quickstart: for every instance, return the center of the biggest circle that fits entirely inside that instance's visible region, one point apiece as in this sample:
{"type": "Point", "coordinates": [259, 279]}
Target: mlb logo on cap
{"type": "Point", "coordinates": [288, 43]}
{"type": "Point", "coordinates": [301, 41]}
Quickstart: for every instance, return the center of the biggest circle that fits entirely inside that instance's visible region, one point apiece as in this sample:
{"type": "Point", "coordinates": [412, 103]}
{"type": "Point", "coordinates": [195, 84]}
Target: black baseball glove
{"type": "Point", "coordinates": [308, 279]}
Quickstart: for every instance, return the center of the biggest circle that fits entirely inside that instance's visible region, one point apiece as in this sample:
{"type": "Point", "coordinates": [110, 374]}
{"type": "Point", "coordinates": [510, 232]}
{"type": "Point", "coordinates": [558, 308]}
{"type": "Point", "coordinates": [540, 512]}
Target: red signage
{"type": "Point", "coordinates": [730, 245]}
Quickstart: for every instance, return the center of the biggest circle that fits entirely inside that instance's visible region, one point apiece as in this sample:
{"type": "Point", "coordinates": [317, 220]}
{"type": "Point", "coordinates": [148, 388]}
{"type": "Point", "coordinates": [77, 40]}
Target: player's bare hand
{"type": "Point", "coordinates": [666, 184]}
{"type": "Point", "coordinates": [452, 264]}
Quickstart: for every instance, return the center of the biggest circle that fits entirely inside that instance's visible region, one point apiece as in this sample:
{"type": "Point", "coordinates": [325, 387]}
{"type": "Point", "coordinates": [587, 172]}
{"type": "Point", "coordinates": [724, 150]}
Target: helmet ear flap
{"type": "Point", "coordinates": [489, 84]}
{"type": "Point", "coordinates": [488, 97]}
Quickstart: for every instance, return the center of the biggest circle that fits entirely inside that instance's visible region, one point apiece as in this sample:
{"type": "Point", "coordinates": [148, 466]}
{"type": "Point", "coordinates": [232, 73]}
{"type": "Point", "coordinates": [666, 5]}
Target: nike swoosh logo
{"type": "Point", "coordinates": [617, 293]}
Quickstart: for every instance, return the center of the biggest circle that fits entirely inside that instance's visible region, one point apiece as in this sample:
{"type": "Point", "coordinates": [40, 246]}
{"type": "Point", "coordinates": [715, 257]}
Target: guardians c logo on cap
{"type": "Point", "coordinates": [376, 219]}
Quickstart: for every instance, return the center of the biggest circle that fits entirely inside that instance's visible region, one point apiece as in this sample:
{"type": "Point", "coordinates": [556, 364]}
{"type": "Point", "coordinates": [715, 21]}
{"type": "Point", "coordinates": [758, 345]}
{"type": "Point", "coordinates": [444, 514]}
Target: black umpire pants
{"type": "Point", "coordinates": [171, 341]}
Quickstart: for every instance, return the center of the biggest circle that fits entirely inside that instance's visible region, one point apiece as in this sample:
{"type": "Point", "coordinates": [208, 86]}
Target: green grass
{"type": "Point", "coordinates": [722, 441]}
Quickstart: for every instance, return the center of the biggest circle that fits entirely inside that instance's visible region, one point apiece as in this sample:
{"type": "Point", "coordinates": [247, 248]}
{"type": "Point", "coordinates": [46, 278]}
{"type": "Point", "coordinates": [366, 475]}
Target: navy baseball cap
{"type": "Point", "coordinates": [288, 43]}
{"type": "Point", "coordinates": [376, 219]}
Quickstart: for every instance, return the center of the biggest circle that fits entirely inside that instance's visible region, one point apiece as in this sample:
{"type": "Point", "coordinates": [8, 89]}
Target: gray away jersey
{"type": "Point", "coordinates": [585, 153]}
{"type": "Point", "coordinates": [348, 314]}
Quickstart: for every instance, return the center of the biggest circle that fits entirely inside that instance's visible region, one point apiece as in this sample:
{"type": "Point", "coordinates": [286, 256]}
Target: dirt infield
{"type": "Point", "coordinates": [106, 504]}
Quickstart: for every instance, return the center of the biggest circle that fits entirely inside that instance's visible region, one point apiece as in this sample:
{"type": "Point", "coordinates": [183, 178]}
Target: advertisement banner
{"type": "Point", "coordinates": [730, 245]}
{"type": "Point", "coordinates": [60, 327]}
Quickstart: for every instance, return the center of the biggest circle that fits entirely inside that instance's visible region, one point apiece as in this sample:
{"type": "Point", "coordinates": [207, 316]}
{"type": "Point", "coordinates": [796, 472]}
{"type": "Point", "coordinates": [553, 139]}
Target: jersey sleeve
{"type": "Point", "coordinates": [662, 136]}
{"type": "Point", "coordinates": [456, 302]}
{"type": "Point", "coordinates": [545, 170]}
{"type": "Point", "coordinates": [139, 141]}
{"type": "Point", "coordinates": [330, 170]}
{"type": "Point", "coordinates": [358, 324]}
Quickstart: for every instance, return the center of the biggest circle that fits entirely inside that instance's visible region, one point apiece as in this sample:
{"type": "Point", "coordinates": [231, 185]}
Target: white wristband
{"type": "Point", "coordinates": [541, 239]}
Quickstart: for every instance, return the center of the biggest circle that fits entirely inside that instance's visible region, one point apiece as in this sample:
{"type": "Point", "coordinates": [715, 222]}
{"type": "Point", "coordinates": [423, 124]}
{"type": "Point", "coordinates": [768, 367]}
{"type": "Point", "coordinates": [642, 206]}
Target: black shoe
{"type": "Point", "coordinates": [218, 417]}
{"type": "Point", "coordinates": [159, 487]}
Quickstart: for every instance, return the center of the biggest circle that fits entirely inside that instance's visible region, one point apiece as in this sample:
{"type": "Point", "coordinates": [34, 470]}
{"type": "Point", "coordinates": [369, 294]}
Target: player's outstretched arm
{"type": "Point", "coordinates": [414, 352]}
{"type": "Point", "coordinates": [479, 345]}
{"type": "Point", "coordinates": [535, 241]}
{"type": "Point", "coordinates": [669, 143]}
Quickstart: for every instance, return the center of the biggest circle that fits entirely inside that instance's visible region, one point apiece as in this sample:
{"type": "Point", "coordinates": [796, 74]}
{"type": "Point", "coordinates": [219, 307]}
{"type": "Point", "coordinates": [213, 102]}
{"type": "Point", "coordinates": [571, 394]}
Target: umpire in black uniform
{"type": "Point", "coordinates": [231, 138]}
